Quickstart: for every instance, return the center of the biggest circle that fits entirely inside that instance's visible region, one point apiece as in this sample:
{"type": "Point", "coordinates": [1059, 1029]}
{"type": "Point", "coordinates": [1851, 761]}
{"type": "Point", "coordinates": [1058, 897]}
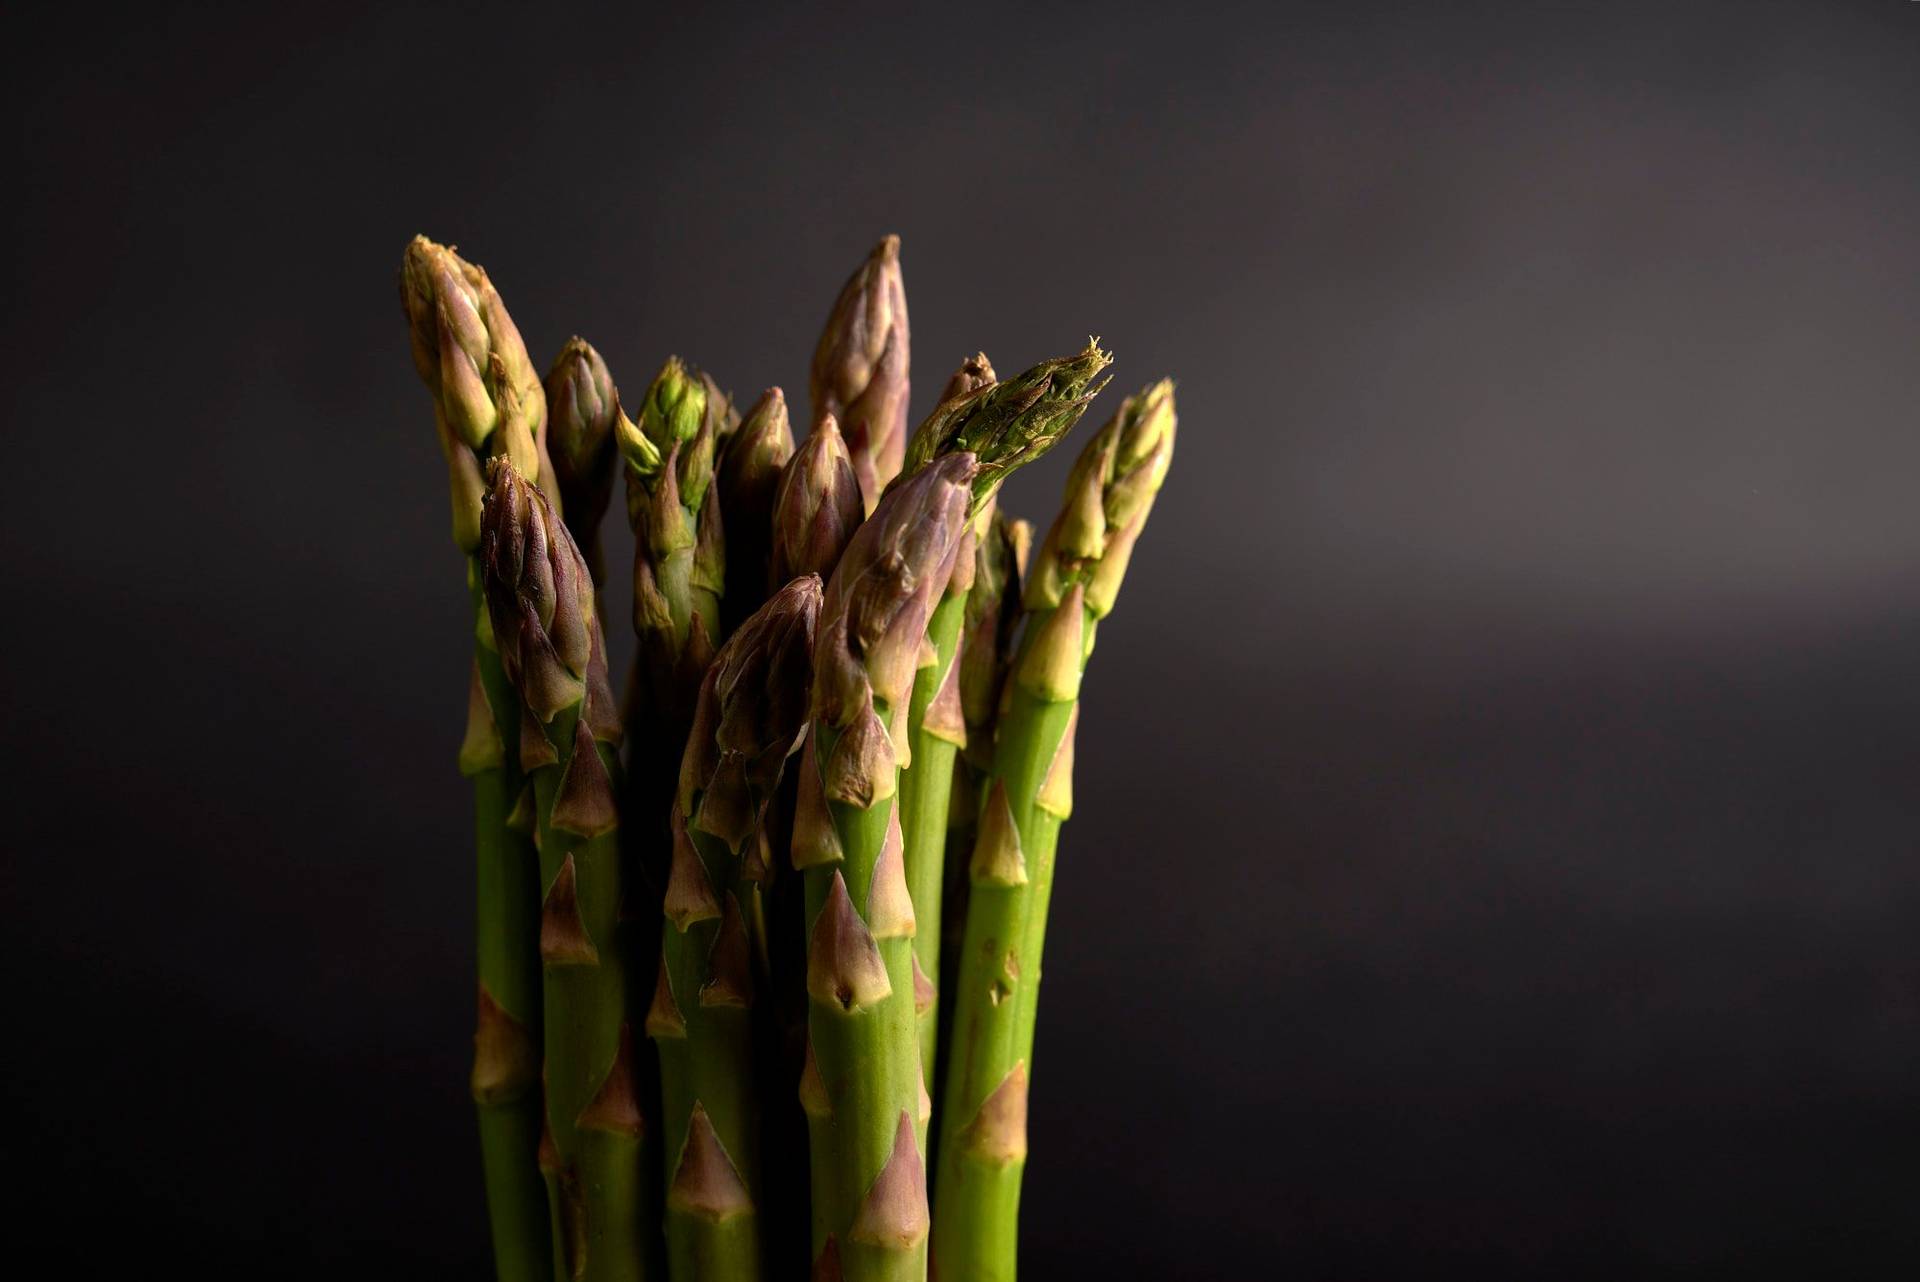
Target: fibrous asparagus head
{"type": "Point", "coordinates": [673, 507]}
{"type": "Point", "coordinates": [539, 595]}
{"type": "Point", "coordinates": [860, 368]}
{"type": "Point", "coordinates": [581, 407]}
{"type": "Point", "coordinates": [487, 398]}
{"type": "Point", "coordinates": [873, 623]}
{"type": "Point", "coordinates": [755, 453]}
{"type": "Point", "coordinates": [1109, 493]}
{"type": "Point", "coordinates": [1009, 424]}
{"type": "Point", "coordinates": [817, 506]}
{"type": "Point", "coordinates": [751, 714]}
{"type": "Point", "coordinates": [974, 373]}
{"type": "Point", "coordinates": [748, 475]}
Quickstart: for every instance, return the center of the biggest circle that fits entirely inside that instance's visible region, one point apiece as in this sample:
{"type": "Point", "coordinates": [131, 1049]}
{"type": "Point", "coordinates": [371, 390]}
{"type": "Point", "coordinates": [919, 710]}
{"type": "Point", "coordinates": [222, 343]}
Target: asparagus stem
{"type": "Point", "coordinates": [992, 617]}
{"type": "Point", "coordinates": [862, 1089]}
{"type": "Point", "coordinates": [540, 604]}
{"type": "Point", "coordinates": [925, 790]}
{"type": "Point", "coordinates": [860, 368]}
{"type": "Point", "coordinates": [982, 1145]}
{"type": "Point", "coordinates": [506, 1068]}
{"type": "Point", "coordinates": [750, 715]}
{"type": "Point", "coordinates": [487, 401]}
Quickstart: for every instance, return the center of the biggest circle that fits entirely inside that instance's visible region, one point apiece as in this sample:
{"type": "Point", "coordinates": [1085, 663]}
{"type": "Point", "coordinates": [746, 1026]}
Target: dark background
{"type": "Point", "coordinates": [1496, 852]}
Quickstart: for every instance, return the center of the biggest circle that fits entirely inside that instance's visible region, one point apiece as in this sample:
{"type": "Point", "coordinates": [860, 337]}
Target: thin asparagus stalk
{"type": "Point", "coordinates": [487, 401]}
{"type": "Point", "coordinates": [862, 1088]}
{"type": "Point", "coordinates": [751, 715]}
{"type": "Point", "coordinates": [986, 648]}
{"type": "Point", "coordinates": [1005, 425]}
{"type": "Point", "coordinates": [582, 403]}
{"type": "Point", "coordinates": [747, 476]}
{"type": "Point", "coordinates": [540, 601]}
{"type": "Point", "coordinates": [1076, 574]}
{"type": "Point", "coordinates": [860, 368]}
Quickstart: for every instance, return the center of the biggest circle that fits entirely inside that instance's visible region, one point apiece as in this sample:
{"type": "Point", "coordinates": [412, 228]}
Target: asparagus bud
{"type": "Point", "coordinates": [582, 404]}
{"type": "Point", "coordinates": [1008, 425]}
{"type": "Point", "coordinates": [860, 368]}
{"type": "Point", "coordinates": [1109, 492]}
{"type": "Point", "coordinates": [974, 373]}
{"type": "Point", "coordinates": [748, 475]}
{"type": "Point", "coordinates": [487, 397]}
{"type": "Point", "coordinates": [679, 564]}
{"type": "Point", "coordinates": [817, 507]}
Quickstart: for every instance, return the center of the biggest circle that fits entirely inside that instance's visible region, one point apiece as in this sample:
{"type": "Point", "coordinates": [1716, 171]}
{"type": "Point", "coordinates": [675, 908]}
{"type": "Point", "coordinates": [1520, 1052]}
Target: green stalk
{"type": "Point", "coordinates": [506, 1064]}
{"type": "Point", "coordinates": [926, 788]}
{"type": "Point", "coordinates": [487, 401]}
{"type": "Point", "coordinates": [982, 1145]}
{"type": "Point", "coordinates": [751, 711]}
{"type": "Point", "coordinates": [862, 1088]}
{"type": "Point", "coordinates": [992, 617]}
{"type": "Point", "coordinates": [540, 603]}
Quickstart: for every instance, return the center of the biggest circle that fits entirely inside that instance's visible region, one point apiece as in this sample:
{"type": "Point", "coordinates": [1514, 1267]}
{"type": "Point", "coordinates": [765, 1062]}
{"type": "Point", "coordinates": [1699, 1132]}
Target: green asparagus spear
{"type": "Point", "coordinates": [1005, 425]}
{"type": "Point", "coordinates": [751, 714]}
{"type": "Point", "coordinates": [986, 648]}
{"type": "Point", "coordinates": [1076, 574]}
{"type": "Point", "coordinates": [860, 368]}
{"type": "Point", "coordinates": [541, 604]}
{"type": "Point", "coordinates": [862, 1088]}
{"type": "Point", "coordinates": [747, 476]}
{"type": "Point", "coordinates": [486, 401]}
{"type": "Point", "coordinates": [582, 403]}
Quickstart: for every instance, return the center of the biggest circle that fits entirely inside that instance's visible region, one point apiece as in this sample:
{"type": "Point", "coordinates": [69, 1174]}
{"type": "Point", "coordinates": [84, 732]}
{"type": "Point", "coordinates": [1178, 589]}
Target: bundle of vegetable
{"type": "Point", "coordinates": [713, 975]}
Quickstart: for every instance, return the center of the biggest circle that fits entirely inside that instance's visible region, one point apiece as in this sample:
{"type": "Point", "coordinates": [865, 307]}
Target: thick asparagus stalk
{"type": "Point", "coordinates": [1005, 425]}
{"type": "Point", "coordinates": [582, 404]}
{"type": "Point", "coordinates": [751, 714]}
{"type": "Point", "coordinates": [860, 368]}
{"type": "Point", "coordinates": [540, 600]}
{"type": "Point", "coordinates": [486, 401]}
{"type": "Point", "coordinates": [862, 1088]}
{"type": "Point", "coordinates": [1076, 574]}
{"type": "Point", "coordinates": [747, 476]}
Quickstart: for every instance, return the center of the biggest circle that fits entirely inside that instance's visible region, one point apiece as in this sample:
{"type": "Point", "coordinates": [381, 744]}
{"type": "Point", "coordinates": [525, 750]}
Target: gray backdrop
{"type": "Point", "coordinates": [1496, 845]}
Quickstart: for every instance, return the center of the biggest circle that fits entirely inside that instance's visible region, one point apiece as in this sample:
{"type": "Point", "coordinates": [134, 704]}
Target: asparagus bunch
{"type": "Point", "coordinates": [1076, 574]}
{"type": "Point", "coordinates": [922, 727]}
{"type": "Point", "coordinates": [487, 402]}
